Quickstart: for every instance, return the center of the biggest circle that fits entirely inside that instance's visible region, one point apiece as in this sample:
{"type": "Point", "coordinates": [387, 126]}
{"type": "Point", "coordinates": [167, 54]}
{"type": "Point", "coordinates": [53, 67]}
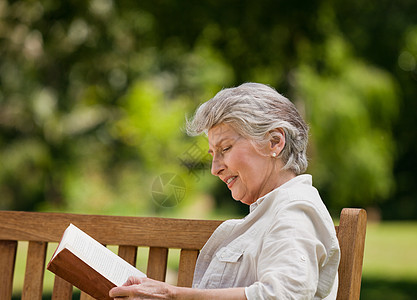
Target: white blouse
{"type": "Point", "coordinates": [285, 248]}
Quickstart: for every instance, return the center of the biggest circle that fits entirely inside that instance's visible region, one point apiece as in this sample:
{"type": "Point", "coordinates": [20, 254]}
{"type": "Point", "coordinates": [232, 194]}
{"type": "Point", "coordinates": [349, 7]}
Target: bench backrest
{"type": "Point", "coordinates": [129, 233]}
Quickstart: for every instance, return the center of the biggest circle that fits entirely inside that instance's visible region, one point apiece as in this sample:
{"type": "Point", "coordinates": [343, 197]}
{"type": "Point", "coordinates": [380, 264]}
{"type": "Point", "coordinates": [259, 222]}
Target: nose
{"type": "Point", "coordinates": [217, 165]}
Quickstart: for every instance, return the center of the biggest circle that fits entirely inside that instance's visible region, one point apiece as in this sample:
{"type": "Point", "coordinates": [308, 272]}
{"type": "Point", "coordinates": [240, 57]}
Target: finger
{"type": "Point", "coordinates": [125, 291]}
{"type": "Point", "coordinates": [133, 280]}
{"type": "Point", "coordinates": [118, 292]}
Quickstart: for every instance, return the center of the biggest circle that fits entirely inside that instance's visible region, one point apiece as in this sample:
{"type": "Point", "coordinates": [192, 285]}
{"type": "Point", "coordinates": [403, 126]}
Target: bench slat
{"type": "Point", "coordinates": [85, 296]}
{"type": "Point", "coordinates": [7, 262]}
{"type": "Point", "coordinates": [156, 233]}
{"type": "Point", "coordinates": [188, 259]}
{"type": "Point", "coordinates": [35, 266]}
{"type": "Point", "coordinates": [150, 231]}
{"type": "Point", "coordinates": [351, 234]}
{"type": "Point", "coordinates": [128, 253]}
{"type": "Point", "coordinates": [62, 289]}
{"type": "Point", "coordinates": [157, 263]}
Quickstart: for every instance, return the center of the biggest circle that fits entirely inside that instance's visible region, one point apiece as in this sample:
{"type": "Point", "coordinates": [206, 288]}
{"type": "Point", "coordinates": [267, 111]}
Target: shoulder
{"type": "Point", "coordinates": [299, 194]}
{"type": "Point", "coordinates": [300, 203]}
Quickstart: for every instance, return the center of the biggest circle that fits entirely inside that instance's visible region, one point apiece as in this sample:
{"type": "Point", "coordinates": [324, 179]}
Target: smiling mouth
{"type": "Point", "coordinates": [230, 180]}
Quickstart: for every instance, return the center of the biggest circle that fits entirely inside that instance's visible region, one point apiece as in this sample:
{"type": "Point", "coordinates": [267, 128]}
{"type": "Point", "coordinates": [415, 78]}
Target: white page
{"type": "Point", "coordinates": [101, 259]}
{"type": "Point", "coordinates": [67, 238]}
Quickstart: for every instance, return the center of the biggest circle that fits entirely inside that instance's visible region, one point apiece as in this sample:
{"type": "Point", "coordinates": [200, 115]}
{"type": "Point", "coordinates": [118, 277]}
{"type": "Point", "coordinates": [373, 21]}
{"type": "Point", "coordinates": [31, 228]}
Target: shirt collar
{"type": "Point", "coordinates": [300, 179]}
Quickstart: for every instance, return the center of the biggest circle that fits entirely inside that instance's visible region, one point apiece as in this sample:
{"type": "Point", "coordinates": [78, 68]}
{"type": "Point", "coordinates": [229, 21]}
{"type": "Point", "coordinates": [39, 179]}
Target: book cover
{"type": "Point", "coordinates": [88, 265]}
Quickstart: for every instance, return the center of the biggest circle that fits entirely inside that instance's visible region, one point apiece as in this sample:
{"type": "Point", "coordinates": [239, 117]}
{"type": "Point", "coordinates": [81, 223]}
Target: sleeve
{"type": "Point", "coordinates": [297, 251]}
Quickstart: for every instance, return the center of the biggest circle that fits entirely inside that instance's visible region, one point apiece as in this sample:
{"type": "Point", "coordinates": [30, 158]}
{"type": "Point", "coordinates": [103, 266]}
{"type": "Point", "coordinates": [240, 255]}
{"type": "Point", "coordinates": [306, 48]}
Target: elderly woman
{"type": "Point", "coordinates": [286, 247]}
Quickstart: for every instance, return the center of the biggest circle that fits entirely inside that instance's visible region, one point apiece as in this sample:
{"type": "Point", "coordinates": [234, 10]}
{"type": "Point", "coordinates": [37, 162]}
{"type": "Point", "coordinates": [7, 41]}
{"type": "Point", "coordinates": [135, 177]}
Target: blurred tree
{"type": "Point", "coordinates": [350, 107]}
{"type": "Point", "coordinates": [384, 34]}
{"type": "Point", "coordinates": [92, 93]}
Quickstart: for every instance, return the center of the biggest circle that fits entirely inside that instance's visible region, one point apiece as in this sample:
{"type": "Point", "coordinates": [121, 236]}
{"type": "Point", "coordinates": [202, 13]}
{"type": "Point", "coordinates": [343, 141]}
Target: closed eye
{"type": "Point", "coordinates": [226, 149]}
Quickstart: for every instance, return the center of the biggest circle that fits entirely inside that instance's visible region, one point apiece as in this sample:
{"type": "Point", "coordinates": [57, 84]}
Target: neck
{"type": "Point", "coordinates": [284, 176]}
{"type": "Point", "coordinates": [277, 179]}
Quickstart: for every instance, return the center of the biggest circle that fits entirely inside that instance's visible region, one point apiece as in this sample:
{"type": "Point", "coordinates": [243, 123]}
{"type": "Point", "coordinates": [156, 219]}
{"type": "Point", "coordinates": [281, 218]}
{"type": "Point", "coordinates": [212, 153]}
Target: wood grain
{"type": "Point", "coordinates": [188, 259]}
{"type": "Point", "coordinates": [157, 263]}
{"type": "Point", "coordinates": [351, 235]}
{"type": "Point", "coordinates": [110, 230]}
{"type": "Point", "coordinates": [7, 263]}
{"type": "Point", "coordinates": [35, 267]}
{"type": "Point", "coordinates": [159, 234]}
{"type": "Point", "coordinates": [62, 289]}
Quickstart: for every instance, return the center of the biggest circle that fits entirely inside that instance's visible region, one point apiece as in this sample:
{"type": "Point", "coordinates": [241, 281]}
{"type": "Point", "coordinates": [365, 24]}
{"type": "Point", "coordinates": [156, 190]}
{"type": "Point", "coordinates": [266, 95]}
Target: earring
{"type": "Point", "coordinates": [274, 154]}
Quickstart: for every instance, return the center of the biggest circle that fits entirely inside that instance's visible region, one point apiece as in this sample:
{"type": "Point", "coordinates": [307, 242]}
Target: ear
{"type": "Point", "coordinates": [277, 141]}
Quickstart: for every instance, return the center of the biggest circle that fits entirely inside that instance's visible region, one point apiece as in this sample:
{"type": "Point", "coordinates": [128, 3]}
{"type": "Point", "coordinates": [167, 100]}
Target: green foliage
{"type": "Point", "coordinates": [93, 96]}
{"type": "Point", "coordinates": [350, 107]}
{"type": "Point", "coordinates": [151, 123]}
{"type": "Point", "coordinates": [387, 289]}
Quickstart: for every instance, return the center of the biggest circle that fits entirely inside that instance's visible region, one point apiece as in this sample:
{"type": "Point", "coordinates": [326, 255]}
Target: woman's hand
{"type": "Point", "coordinates": [143, 288]}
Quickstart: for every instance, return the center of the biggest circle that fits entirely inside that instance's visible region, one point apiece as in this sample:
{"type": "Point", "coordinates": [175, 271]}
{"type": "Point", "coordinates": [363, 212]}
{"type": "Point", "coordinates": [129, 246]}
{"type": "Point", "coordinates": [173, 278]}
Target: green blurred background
{"type": "Point", "coordinates": [94, 97]}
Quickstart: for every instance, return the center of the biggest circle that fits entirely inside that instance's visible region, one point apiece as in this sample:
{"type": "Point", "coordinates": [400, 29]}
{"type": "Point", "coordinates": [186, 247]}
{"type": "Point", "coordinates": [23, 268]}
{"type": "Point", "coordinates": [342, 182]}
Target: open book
{"type": "Point", "coordinates": [88, 265]}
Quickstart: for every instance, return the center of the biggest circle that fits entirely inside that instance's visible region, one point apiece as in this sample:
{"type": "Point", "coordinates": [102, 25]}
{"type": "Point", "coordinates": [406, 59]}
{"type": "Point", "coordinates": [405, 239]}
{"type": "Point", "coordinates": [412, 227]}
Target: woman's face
{"type": "Point", "coordinates": [248, 172]}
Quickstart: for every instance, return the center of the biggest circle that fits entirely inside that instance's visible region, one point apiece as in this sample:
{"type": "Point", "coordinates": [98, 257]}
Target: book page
{"type": "Point", "coordinates": [66, 238]}
{"type": "Point", "coordinates": [100, 258]}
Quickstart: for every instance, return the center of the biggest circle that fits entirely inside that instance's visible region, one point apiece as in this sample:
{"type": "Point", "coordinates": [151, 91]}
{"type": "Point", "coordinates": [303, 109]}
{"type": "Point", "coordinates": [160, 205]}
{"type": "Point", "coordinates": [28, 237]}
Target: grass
{"type": "Point", "coordinates": [389, 270]}
{"type": "Point", "coordinates": [390, 251]}
{"type": "Point", "coordinates": [390, 263]}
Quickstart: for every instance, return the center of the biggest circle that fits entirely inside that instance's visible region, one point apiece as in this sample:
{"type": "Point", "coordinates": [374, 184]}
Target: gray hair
{"type": "Point", "coordinates": [255, 110]}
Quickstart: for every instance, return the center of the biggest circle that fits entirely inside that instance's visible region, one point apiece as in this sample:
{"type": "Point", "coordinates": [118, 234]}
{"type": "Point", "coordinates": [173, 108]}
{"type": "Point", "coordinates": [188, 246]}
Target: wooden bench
{"type": "Point", "coordinates": [129, 233]}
